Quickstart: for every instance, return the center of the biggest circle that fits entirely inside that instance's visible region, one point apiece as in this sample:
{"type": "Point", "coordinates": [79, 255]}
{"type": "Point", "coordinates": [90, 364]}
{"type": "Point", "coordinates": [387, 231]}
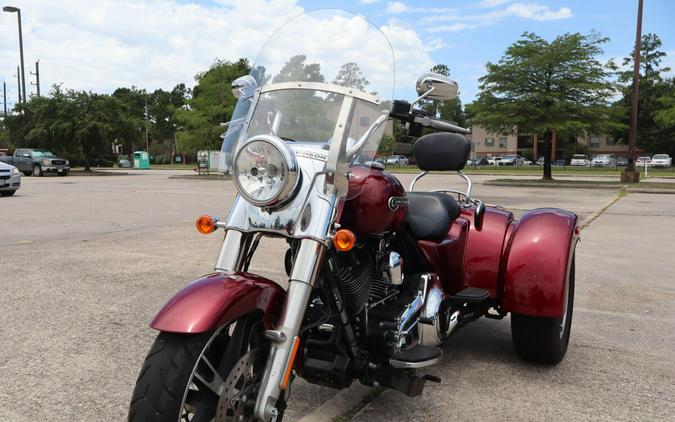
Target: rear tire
{"type": "Point", "coordinates": [172, 384]}
{"type": "Point", "coordinates": [541, 339]}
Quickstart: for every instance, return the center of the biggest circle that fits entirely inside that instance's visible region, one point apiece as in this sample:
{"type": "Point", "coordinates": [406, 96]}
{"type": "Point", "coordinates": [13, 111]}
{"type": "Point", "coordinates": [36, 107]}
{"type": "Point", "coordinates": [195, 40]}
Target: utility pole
{"type": "Point", "coordinates": [18, 80]}
{"type": "Point", "coordinates": [4, 96]}
{"type": "Point", "coordinates": [12, 9]}
{"type": "Point", "coordinates": [37, 77]}
{"type": "Point", "coordinates": [630, 174]}
{"type": "Point", "coordinates": [147, 141]}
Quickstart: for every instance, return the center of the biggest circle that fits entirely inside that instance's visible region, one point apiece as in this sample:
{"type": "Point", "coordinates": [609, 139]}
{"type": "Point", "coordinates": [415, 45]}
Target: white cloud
{"type": "Point", "coordinates": [368, 1]}
{"type": "Point", "coordinates": [492, 3]}
{"type": "Point", "coordinates": [394, 7]}
{"type": "Point", "coordinates": [154, 44]}
{"type": "Point", "coordinates": [537, 12]}
{"type": "Point", "coordinates": [531, 11]}
{"type": "Point", "coordinates": [453, 27]}
{"type": "Point", "coordinates": [397, 7]}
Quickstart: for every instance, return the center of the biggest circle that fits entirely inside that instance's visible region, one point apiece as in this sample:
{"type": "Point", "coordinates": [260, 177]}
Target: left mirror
{"type": "Point", "coordinates": [441, 87]}
{"type": "Point", "coordinates": [244, 86]}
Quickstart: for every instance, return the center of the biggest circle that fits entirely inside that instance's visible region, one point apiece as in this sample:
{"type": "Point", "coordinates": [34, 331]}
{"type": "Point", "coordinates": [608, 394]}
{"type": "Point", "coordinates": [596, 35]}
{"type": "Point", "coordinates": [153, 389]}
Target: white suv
{"type": "Point", "coordinates": [579, 160]}
{"type": "Point", "coordinates": [605, 160]}
{"type": "Point", "coordinates": [661, 160]}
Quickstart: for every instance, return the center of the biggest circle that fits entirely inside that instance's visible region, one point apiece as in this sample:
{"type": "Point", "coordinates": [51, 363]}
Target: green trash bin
{"type": "Point", "coordinates": [141, 160]}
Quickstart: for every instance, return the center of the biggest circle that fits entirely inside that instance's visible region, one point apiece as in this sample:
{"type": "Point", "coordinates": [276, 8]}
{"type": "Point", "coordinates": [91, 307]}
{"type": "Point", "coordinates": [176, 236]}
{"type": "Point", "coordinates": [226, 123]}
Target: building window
{"type": "Point", "coordinates": [489, 142]}
{"type": "Point", "coordinates": [611, 140]}
{"type": "Point", "coordinates": [502, 142]}
{"type": "Point", "coordinates": [595, 141]}
{"type": "Point", "coordinates": [365, 121]}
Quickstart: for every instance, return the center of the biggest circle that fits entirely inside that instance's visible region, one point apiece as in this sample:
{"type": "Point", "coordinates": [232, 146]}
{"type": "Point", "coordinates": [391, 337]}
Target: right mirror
{"type": "Point", "coordinates": [441, 87]}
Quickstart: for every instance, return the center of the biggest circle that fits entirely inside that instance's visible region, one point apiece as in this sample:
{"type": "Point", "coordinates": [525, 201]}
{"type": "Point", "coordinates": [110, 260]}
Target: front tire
{"type": "Point", "coordinates": [183, 375]}
{"type": "Point", "coordinates": [8, 193]}
{"type": "Point", "coordinates": [37, 170]}
{"type": "Point", "coordinates": [545, 340]}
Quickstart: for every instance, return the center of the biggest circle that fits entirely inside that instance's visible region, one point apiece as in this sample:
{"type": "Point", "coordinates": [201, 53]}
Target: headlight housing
{"type": "Point", "coordinates": [15, 171]}
{"type": "Point", "coordinates": [45, 162]}
{"type": "Point", "coordinates": [266, 171]}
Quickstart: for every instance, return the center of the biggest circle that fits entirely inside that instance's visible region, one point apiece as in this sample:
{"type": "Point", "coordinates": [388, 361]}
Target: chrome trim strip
{"type": "Point", "coordinates": [320, 86]}
{"type": "Point", "coordinates": [414, 365]}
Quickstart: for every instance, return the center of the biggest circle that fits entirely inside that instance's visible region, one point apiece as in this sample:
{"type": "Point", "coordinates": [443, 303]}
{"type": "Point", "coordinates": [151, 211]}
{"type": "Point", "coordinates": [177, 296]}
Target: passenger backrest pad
{"type": "Point", "coordinates": [442, 151]}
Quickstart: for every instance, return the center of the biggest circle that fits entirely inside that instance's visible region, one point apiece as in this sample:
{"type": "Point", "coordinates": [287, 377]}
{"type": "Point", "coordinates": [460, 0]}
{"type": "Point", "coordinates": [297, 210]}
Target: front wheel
{"type": "Point", "coordinates": [37, 170]}
{"type": "Point", "coordinates": [541, 339]}
{"type": "Point", "coordinates": [190, 377]}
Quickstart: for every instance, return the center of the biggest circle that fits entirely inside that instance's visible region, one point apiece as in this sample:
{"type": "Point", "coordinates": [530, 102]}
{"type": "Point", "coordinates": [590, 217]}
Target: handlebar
{"type": "Point", "coordinates": [440, 125]}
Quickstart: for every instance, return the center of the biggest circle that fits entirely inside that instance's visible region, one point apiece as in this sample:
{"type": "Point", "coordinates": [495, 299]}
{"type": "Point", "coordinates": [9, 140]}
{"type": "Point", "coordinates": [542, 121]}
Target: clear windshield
{"type": "Point", "coordinates": [315, 70]}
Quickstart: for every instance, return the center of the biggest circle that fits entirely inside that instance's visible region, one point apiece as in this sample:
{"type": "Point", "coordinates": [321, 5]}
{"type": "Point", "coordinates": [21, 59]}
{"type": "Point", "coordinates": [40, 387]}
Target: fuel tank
{"type": "Point", "coordinates": [367, 208]}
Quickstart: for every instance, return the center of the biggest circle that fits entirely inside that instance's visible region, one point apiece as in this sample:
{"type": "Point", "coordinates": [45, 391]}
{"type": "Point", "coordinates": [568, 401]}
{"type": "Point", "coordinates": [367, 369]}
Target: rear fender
{"type": "Point", "coordinates": [217, 299]}
{"type": "Point", "coordinates": [538, 258]}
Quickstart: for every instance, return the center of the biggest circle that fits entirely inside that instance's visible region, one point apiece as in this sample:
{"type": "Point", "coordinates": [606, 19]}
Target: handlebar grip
{"type": "Point", "coordinates": [440, 125]}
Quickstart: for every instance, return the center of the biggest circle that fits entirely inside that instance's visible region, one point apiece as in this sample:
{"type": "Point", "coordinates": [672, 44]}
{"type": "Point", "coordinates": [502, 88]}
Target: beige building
{"type": "Point", "coordinates": [487, 144]}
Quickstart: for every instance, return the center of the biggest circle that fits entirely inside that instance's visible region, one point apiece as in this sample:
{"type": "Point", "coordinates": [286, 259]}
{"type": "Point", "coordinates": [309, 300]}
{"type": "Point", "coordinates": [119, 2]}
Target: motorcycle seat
{"type": "Point", "coordinates": [430, 214]}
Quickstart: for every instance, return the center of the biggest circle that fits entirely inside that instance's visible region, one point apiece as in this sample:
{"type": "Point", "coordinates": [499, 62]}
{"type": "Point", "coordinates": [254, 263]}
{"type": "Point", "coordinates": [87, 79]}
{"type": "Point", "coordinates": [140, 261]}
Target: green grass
{"type": "Point", "coordinates": [580, 183]}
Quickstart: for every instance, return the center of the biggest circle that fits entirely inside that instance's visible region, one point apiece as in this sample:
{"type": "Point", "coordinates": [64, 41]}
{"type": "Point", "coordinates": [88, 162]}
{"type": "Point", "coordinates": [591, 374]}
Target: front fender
{"type": "Point", "coordinates": [218, 298]}
{"type": "Point", "coordinates": [538, 258]}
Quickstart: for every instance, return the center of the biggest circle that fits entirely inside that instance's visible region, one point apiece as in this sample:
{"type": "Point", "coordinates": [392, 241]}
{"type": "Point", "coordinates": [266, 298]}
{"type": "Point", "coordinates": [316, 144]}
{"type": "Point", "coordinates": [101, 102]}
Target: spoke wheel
{"type": "Point", "coordinates": [184, 375]}
{"type": "Point", "coordinates": [241, 388]}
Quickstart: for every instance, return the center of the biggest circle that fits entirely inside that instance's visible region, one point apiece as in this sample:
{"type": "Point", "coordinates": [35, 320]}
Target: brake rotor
{"type": "Point", "coordinates": [241, 388]}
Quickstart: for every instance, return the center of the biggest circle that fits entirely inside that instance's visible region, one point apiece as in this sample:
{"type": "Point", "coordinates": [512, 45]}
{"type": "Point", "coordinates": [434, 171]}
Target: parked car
{"type": "Point", "coordinates": [621, 162]}
{"type": "Point", "coordinates": [482, 161]}
{"type": "Point", "coordinates": [37, 162]}
{"type": "Point", "coordinates": [540, 161]}
{"type": "Point", "coordinates": [494, 161]}
{"type": "Point", "coordinates": [643, 161]}
{"type": "Point", "coordinates": [511, 160]}
{"type": "Point", "coordinates": [579, 160]}
{"type": "Point", "coordinates": [10, 179]}
{"type": "Point", "coordinates": [661, 160]}
{"type": "Point", "coordinates": [526, 162]}
{"type": "Point", "coordinates": [124, 163]}
{"type": "Point", "coordinates": [603, 160]}
{"type": "Point", "coordinates": [397, 160]}
{"type": "Point", "coordinates": [559, 163]}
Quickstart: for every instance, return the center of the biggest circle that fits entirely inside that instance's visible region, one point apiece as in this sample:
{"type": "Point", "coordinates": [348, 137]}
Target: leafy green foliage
{"type": "Point", "coordinates": [542, 87]}
{"type": "Point", "coordinates": [212, 103]}
{"type": "Point", "coordinates": [656, 100]}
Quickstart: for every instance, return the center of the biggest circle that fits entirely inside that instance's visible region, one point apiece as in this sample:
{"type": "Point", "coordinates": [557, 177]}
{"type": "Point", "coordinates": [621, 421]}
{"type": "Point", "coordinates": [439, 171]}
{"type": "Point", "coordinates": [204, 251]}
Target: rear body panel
{"type": "Point", "coordinates": [522, 263]}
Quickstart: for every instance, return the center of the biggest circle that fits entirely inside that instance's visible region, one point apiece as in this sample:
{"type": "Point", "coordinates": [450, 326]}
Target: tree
{"type": "Point", "coordinates": [350, 76]}
{"type": "Point", "coordinates": [541, 87]}
{"type": "Point", "coordinates": [654, 134]}
{"type": "Point", "coordinates": [295, 70]}
{"type": "Point", "coordinates": [212, 103]}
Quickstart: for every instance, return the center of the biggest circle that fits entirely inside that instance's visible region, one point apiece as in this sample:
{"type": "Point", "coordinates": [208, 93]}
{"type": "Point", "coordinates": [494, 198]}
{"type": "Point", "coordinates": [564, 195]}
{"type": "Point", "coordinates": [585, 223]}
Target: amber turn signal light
{"type": "Point", "coordinates": [206, 224]}
{"type": "Point", "coordinates": [344, 240]}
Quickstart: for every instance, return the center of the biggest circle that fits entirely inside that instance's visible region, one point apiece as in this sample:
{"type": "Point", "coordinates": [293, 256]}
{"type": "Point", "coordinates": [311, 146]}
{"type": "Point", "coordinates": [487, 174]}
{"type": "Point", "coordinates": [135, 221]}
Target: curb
{"type": "Point", "coordinates": [343, 404]}
{"type": "Point", "coordinates": [556, 185]}
{"type": "Point", "coordinates": [200, 177]}
{"type": "Point", "coordinates": [642, 190]}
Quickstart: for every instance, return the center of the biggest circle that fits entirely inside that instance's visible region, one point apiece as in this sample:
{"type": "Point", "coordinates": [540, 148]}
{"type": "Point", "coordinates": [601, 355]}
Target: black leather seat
{"type": "Point", "coordinates": [430, 214]}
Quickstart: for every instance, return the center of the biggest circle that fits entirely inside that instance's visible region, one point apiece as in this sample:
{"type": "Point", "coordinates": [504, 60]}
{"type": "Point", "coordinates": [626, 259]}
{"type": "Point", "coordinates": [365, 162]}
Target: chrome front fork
{"type": "Point", "coordinates": [303, 278]}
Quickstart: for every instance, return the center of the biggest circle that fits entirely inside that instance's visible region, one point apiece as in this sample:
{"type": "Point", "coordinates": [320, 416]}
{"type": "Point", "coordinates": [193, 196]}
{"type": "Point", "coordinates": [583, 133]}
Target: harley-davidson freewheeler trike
{"type": "Point", "coordinates": [377, 277]}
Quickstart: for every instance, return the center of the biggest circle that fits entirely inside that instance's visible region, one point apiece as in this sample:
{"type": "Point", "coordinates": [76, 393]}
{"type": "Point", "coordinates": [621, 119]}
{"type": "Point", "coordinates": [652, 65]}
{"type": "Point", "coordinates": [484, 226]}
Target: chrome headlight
{"type": "Point", "coordinates": [15, 171]}
{"type": "Point", "coordinates": [45, 162]}
{"type": "Point", "coordinates": [266, 171]}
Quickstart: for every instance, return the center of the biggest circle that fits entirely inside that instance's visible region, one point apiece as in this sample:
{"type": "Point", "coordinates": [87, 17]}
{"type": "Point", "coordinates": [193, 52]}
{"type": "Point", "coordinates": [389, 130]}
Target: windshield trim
{"type": "Point", "coordinates": [324, 87]}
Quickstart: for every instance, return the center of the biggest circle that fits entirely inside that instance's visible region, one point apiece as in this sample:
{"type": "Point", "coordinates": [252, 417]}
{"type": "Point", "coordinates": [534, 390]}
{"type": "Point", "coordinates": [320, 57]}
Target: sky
{"type": "Point", "coordinates": [100, 45]}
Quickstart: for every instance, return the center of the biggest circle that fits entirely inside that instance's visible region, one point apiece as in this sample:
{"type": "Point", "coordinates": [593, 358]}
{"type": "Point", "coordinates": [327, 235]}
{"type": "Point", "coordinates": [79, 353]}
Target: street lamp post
{"type": "Point", "coordinates": [12, 9]}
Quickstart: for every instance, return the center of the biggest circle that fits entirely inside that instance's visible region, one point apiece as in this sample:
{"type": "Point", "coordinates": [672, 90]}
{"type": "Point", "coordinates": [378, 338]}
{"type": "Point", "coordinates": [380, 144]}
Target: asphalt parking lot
{"type": "Point", "coordinates": [86, 261]}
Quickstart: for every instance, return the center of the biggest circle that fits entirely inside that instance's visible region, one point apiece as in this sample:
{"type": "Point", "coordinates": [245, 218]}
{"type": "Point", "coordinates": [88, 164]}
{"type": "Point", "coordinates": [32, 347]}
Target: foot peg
{"type": "Point", "coordinates": [471, 295]}
{"type": "Point", "coordinates": [417, 357]}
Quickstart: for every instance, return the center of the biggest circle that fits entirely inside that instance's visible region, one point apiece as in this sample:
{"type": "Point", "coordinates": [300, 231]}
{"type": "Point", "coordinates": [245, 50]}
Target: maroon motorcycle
{"type": "Point", "coordinates": [377, 277]}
